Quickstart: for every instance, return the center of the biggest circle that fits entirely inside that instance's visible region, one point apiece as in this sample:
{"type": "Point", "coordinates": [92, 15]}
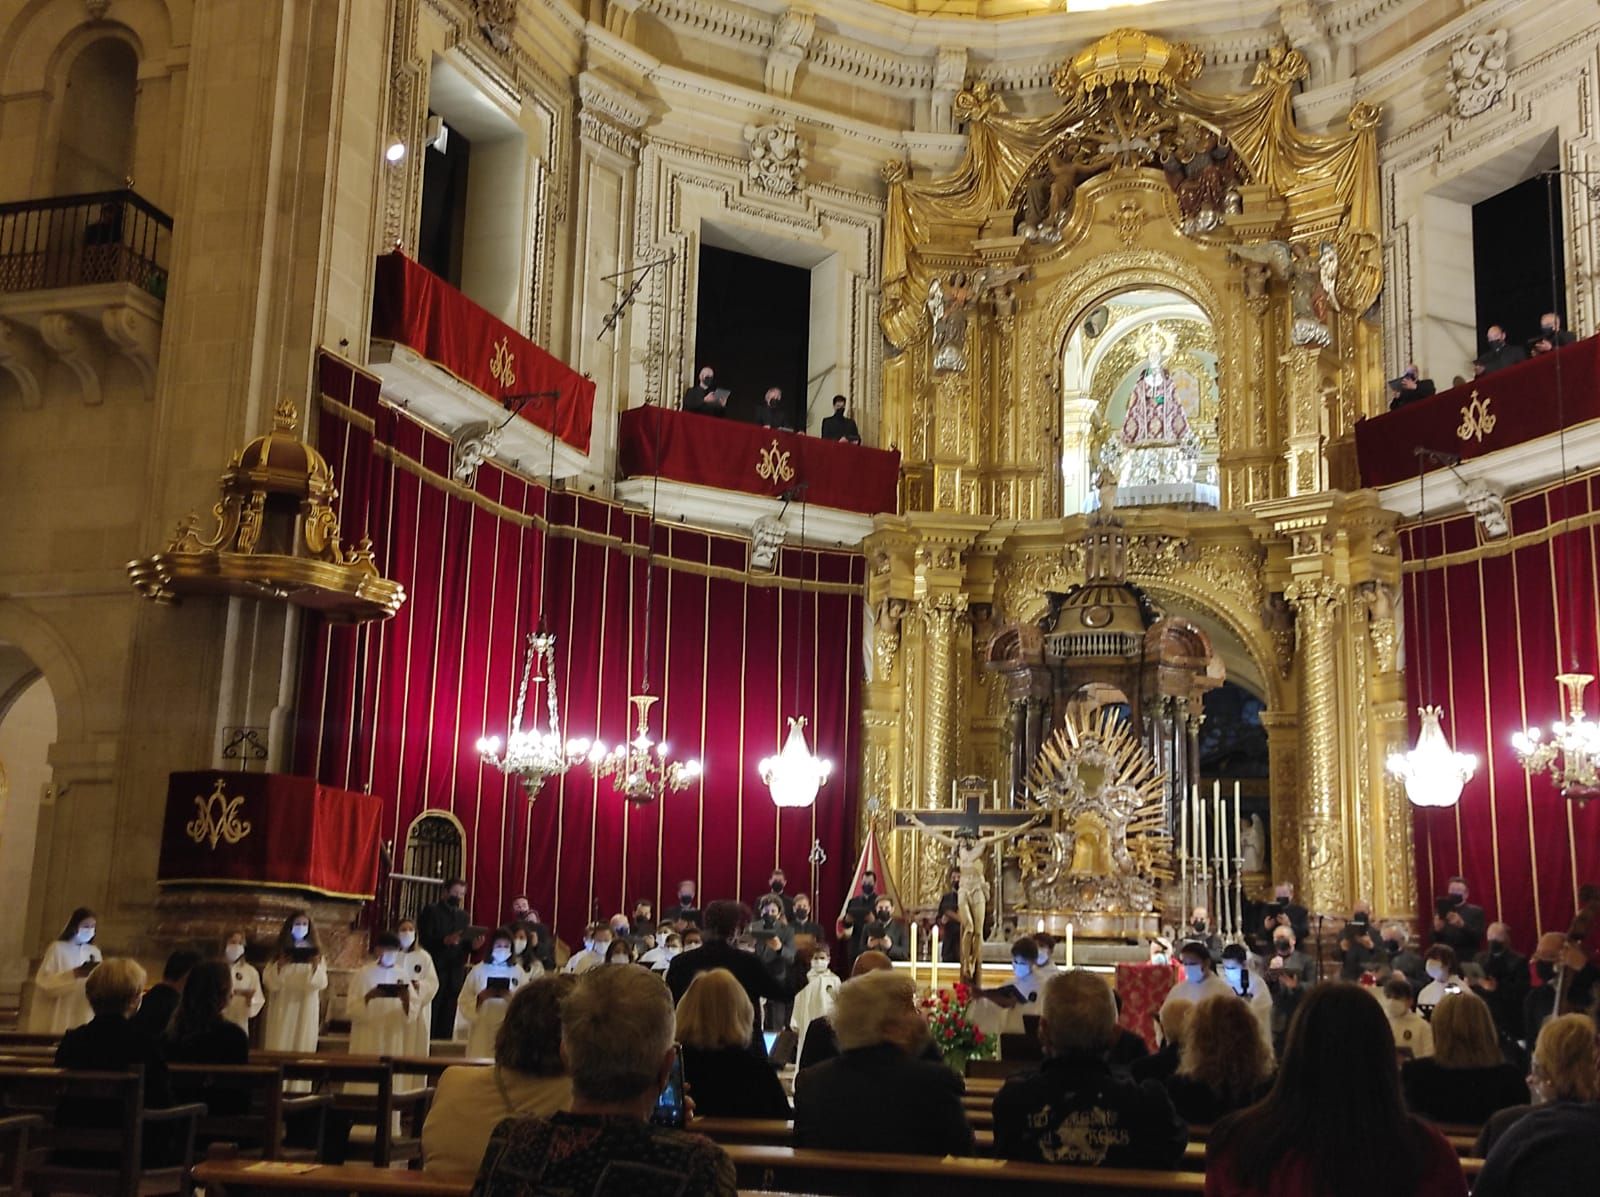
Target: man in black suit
{"type": "Point", "coordinates": [877, 1094]}
{"type": "Point", "coordinates": [687, 909]}
{"type": "Point", "coordinates": [775, 889]}
{"type": "Point", "coordinates": [439, 927]}
{"type": "Point", "coordinates": [840, 427]}
{"type": "Point", "coordinates": [1409, 387]}
{"type": "Point", "coordinates": [724, 922]}
{"type": "Point", "coordinates": [1505, 980]}
{"type": "Point", "coordinates": [1551, 335]}
{"type": "Point", "coordinates": [858, 913]}
{"type": "Point", "coordinates": [1075, 1109]}
{"type": "Point", "coordinates": [1283, 911]}
{"type": "Point", "coordinates": [773, 413]}
{"type": "Point", "coordinates": [803, 924]}
{"type": "Point", "coordinates": [1500, 354]}
{"type": "Point", "coordinates": [1462, 924]}
{"type": "Point", "coordinates": [702, 398]}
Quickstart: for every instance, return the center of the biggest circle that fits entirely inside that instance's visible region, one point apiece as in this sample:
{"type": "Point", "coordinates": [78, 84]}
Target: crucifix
{"type": "Point", "coordinates": [966, 823]}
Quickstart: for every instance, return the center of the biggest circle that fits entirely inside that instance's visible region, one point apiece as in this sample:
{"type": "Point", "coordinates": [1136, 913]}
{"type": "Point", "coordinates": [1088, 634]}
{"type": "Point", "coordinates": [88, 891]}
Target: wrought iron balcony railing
{"type": "Point", "coordinates": [81, 240]}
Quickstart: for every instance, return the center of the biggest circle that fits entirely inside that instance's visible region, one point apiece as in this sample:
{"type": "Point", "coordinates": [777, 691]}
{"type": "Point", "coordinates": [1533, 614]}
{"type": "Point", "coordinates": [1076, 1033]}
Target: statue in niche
{"type": "Point", "coordinates": [1312, 284]}
{"type": "Point", "coordinates": [1091, 847]}
{"type": "Point", "coordinates": [1254, 845]}
{"type": "Point", "coordinates": [1154, 414]}
{"type": "Point", "coordinates": [949, 305]}
{"type": "Point", "coordinates": [1203, 172]}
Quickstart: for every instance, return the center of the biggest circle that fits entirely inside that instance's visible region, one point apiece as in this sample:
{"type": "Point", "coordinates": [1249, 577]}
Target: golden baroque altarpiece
{"type": "Point", "coordinates": [1142, 180]}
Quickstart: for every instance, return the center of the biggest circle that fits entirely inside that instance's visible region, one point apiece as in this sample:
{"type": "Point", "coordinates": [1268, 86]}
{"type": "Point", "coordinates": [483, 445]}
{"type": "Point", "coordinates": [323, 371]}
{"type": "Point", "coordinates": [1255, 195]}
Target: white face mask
{"type": "Point", "coordinates": [500, 955]}
{"type": "Point", "coordinates": [1194, 973]}
{"type": "Point", "coordinates": [520, 946]}
{"type": "Point", "coordinates": [1233, 974]}
{"type": "Point", "coordinates": [819, 964]}
{"type": "Point", "coordinates": [1022, 968]}
{"type": "Point", "coordinates": [619, 960]}
{"type": "Point", "coordinates": [387, 959]}
{"type": "Point", "coordinates": [407, 938]}
{"type": "Point", "coordinates": [299, 931]}
{"type": "Point", "coordinates": [233, 951]}
{"type": "Point", "coordinates": [1398, 1007]}
{"type": "Point", "coordinates": [84, 935]}
{"type": "Point", "coordinates": [1437, 971]}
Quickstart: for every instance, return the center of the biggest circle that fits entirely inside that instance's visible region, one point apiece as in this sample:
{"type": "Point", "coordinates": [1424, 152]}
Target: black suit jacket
{"type": "Point", "coordinates": [757, 980]}
{"type": "Point", "coordinates": [880, 1099]}
{"type": "Point", "coordinates": [111, 1043]}
{"type": "Point", "coordinates": [434, 922]}
{"type": "Point", "coordinates": [1498, 359]}
{"type": "Point", "coordinates": [154, 1014]}
{"type": "Point", "coordinates": [694, 400]}
{"type": "Point", "coordinates": [840, 428]}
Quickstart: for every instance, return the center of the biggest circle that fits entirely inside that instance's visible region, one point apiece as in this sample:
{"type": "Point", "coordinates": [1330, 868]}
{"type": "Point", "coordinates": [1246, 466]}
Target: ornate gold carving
{"type": "Point", "coordinates": [1477, 421]}
{"type": "Point", "coordinates": [772, 464]}
{"type": "Point", "coordinates": [503, 363]}
{"type": "Point", "coordinates": [1318, 602]}
{"type": "Point", "coordinates": [217, 818]}
{"type": "Point", "coordinates": [1131, 219]}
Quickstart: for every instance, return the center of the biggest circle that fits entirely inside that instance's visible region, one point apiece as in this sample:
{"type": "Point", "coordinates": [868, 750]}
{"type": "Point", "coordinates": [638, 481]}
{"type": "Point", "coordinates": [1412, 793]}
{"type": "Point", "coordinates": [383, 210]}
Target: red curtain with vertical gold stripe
{"type": "Point", "coordinates": [1499, 620]}
{"type": "Point", "coordinates": [397, 706]}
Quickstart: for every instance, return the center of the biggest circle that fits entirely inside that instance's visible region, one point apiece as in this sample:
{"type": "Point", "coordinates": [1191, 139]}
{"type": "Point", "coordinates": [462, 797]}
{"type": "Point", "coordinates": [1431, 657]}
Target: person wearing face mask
{"type": "Point", "coordinates": [1500, 352]}
{"type": "Point", "coordinates": [704, 398]}
{"type": "Point", "coordinates": [801, 922]}
{"type": "Point", "coordinates": [1458, 923]}
{"type": "Point", "coordinates": [1284, 911]}
{"type": "Point", "coordinates": [687, 910]}
{"type": "Point", "coordinates": [1543, 967]}
{"type": "Point", "coordinates": [1243, 981]}
{"type": "Point", "coordinates": [487, 991]}
{"type": "Point", "coordinates": [445, 932]}
{"type": "Point", "coordinates": [1444, 976]}
{"type": "Point", "coordinates": [840, 427]}
{"type": "Point", "coordinates": [1550, 337]}
{"type": "Point", "coordinates": [596, 943]}
{"type": "Point", "coordinates": [1405, 954]}
{"type": "Point", "coordinates": [1199, 978]}
{"type": "Point", "coordinates": [644, 919]}
{"type": "Point", "coordinates": [887, 931]}
{"type": "Point", "coordinates": [378, 1003]}
{"type": "Point", "coordinates": [815, 1001]}
{"type": "Point", "coordinates": [1201, 931]}
{"type": "Point", "coordinates": [1505, 980]}
{"type": "Point", "coordinates": [1359, 950]}
{"type": "Point", "coordinates": [1413, 1037]}
{"type": "Point", "coordinates": [619, 951]}
{"type": "Point", "coordinates": [247, 999]}
{"type": "Point", "coordinates": [777, 891]}
{"type": "Point", "coordinates": [1290, 973]}
{"type": "Point", "coordinates": [659, 958]}
{"type": "Point", "coordinates": [59, 999]}
{"type": "Point", "coordinates": [775, 949]}
{"type": "Point", "coordinates": [295, 977]}
{"type": "Point", "coordinates": [858, 913]}
{"type": "Point", "coordinates": [416, 966]}
{"type": "Point", "coordinates": [621, 928]}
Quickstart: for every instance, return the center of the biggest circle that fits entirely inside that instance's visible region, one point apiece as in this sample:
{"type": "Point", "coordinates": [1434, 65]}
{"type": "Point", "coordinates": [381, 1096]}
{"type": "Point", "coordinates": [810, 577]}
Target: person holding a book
{"type": "Point", "coordinates": [487, 991]}
{"type": "Point", "coordinates": [295, 979]}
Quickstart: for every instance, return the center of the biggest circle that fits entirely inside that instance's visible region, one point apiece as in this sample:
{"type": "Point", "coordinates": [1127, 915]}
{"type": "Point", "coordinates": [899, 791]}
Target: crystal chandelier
{"type": "Point", "coordinates": [794, 775]}
{"type": "Point", "coordinates": [1571, 749]}
{"type": "Point", "coordinates": [1432, 772]}
{"type": "Point", "coordinates": [533, 754]}
{"type": "Point", "coordinates": [638, 769]}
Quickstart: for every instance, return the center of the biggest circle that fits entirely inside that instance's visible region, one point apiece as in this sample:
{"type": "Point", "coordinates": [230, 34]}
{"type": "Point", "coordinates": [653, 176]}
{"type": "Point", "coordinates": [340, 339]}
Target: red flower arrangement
{"type": "Point", "coordinates": [954, 1034]}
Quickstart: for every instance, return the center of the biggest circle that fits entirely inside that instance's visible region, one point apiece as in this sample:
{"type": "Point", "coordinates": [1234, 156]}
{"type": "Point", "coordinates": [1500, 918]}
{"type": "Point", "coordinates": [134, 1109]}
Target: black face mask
{"type": "Point", "coordinates": [1394, 945]}
{"type": "Point", "coordinates": [1283, 947]}
{"type": "Point", "coordinates": [1199, 924]}
{"type": "Point", "coordinates": [1496, 948]}
{"type": "Point", "coordinates": [452, 900]}
{"type": "Point", "coordinates": [1547, 329]}
{"type": "Point", "coordinates": [1359, 919]}
{"type": "Point", "coordinates": [1496, 342]}
{"type": "Point", "coordinates": [777, 887]}
{"type": "Point", "coordinates": [802, 912]}
{"type": "Point", "coordinates": [884, 916]}
{"type": "Point", "coordinates": [1545, 968]}
{"type": "Point", "coordinates": [686, 899]}
{"type": "Point", "coordinates": [867, 887]}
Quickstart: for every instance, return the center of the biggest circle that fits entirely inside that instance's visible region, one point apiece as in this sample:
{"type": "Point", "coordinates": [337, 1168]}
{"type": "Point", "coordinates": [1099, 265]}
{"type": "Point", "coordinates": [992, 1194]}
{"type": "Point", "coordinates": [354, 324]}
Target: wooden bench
{"type": "Point", "coordinates": [40, 1091]}
{"type": "Point", "coordinates": [378, 1108]}
{"type": "Point", "coordinates": [239, 1178]}
{"type": "Point", "coordinates": [257, 1131]}
{"type": "Point", "coordinates": [15, 1133]}
{"type": "Point", "coordinates": [32, 1044]}
{"type": "Point", "coordinates": [779, 1132]}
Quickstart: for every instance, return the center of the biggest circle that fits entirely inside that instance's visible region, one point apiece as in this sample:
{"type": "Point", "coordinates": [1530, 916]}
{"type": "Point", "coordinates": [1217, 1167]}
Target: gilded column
{"type": "Point", "coordinates": [942, 618]}
{"type": "Point", "coordinates": [1394, 881]}
{"type": "Point", "coordinates": [1318, 602]}
{"type": "Point", "coordinates": [1304, 436]}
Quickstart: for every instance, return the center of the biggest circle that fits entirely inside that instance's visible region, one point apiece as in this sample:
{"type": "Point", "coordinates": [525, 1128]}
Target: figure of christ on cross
{"type": "Point", "coordinates": [970, 844]}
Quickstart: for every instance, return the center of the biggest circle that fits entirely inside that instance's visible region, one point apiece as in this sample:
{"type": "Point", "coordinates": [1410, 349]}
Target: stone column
{"type": "Point", "coordinates": [1283, 830]}
{"type": "Point", "coordinates": [1319, 603]}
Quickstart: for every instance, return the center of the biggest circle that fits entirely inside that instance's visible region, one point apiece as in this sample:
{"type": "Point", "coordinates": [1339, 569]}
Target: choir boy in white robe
{"type": "Point", "coordinates": [380, 1001]}
{"type": "Point", "coordinates": [248, 998]}
{"type": "Point", "coordinates": [815, 1000]}
{"type": "Point", "coordinates": [417, 967]}
{"type": "Point", "coordinates": [295, 978]}
{"type": "Point", "coordinates": [487, 992]}
{"type": "Point", "coordinates": [59, 1003]}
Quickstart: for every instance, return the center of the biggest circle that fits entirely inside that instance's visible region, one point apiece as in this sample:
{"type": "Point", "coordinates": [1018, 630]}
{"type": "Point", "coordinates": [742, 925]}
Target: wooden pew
{"type": "Point", "coordinates": [29, 1044]}
{"type": "Point", "coordinates": [377, 1109]}
{"type": "Point", "coordinates": [14, 1136]}
{"type": "Point", "coordinates": [779, 1132]}
{"type": "Point", "coordinates": [40, 1091]}
{"type": "Point", "coordinates": [241, 1178]}
{"type": "Point", "coordinates": [259, 1131]}
{"type": "Point", "coordinates": [848, 1174]}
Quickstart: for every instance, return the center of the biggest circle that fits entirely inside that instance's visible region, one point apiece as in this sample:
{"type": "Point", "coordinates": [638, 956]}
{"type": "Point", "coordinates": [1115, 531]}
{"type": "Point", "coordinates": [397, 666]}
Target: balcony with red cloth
{"type": "Point", "coordinates": [727, 473]}
{"type": "Point", "coordinates": [1507, 427]}
{"type": "Point", "coordinates": [464, 370]}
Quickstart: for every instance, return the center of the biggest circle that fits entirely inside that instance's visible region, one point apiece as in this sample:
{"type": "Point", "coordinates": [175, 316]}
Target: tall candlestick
{"type": "Point", "coordinates": [933, 971]}
{"type": "Point", "coordinates": [1069, 945]}
{"type": "Point", "coordinates": [1238, 859]}
{"type": "Point", "coordinates": [913, 951]}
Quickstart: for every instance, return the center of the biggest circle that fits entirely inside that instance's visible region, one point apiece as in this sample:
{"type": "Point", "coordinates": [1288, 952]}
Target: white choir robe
{"type": "Point", "coordinates": [59, 1003]}
{"type": "Point", "coordinates": [294, 1015]}
{"type": "Point", "coordinates": [814, 1001]}
{"type": "Point", "coordinates": [247, 999]}
{"type": "Point", "coordinates": [485, 1020]}
{"type": "Point", "coordinates": [416, 966]}
{"type": "Point", "coordinates": [377, 1027]}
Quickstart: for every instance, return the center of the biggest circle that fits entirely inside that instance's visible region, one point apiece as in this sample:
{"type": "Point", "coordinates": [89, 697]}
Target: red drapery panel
{"type": "Point", "coordinates": [270, 829]}
{"type": "Point", "coordinates": [1504, 408]}
{"type": "Point", "coordinates": [729, 455]}
{"type": "Point", "coordinates": [414, 307]}
{"type": "Point", "coordinates": [397, 706]}
{"type": "Point", "coordinates": [1501, 620]}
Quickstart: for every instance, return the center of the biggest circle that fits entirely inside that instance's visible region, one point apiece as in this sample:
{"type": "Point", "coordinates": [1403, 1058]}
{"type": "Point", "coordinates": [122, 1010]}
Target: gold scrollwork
{"type": "Point", "coordinates": [217, 818]}
{"type": "Point", "coordinates": [503, 364]}
{"type": "Point", "coordinates": [772, 464]}
{"type": "Point", "coordinates": [1477, 421]}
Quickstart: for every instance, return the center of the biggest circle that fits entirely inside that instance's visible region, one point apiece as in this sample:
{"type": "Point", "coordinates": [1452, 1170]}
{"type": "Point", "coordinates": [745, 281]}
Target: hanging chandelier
{"type": "Point", "coordinates": [638, 769]}
{"type": "Point", "coordinates": [1570, 751]}
{"type": "Point", "coordinates": [1433, 773]}
{"type": "Point", "coordinates": [533, 754]}
{"type": "Point", "coordinates": [794, 776]}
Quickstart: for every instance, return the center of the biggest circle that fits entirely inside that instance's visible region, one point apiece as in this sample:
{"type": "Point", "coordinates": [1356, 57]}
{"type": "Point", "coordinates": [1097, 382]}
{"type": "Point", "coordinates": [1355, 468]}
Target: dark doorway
{"type": "Point", "coordinates": [1518, 259]}
{"type": "Point", "coordinates": [753, 325]}
{"type": "Point", "coordinates": [444, 207]}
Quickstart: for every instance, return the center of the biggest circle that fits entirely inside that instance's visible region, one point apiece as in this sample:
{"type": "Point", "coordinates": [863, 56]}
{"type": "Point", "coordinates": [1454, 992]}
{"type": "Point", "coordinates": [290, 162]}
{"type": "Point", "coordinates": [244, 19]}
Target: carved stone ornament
{"type": "Point", "coordinates": [1488, 507]}
{"type": "Point", "coordinates": [777, 157]}
{"type": "Point", "coordinates": [471, 447]}
{"type": "Point", "coordinates": [497, 20]}
{"type": "Point", "coordinates": [1477, 73]}
{"type": "Point", "coordinates": [766, 538]}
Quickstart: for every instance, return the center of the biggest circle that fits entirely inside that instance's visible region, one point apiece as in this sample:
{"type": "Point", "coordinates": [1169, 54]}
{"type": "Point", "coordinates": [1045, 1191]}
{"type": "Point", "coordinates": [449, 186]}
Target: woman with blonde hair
{"type": "Point", "coordinates": [1225, 1064]}
{"type": "Point", "coordinates": [1466, 1079]}
{"type": "Point", "coordinates": [1566, 1087]}
{"type": "Point", "coordinates": [726, 1077]}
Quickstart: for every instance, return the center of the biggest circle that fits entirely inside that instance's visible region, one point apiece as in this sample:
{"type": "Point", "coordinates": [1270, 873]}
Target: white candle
{"type": "Point", "coordinates": [1238, 840]}
{"type": "Point", "coordinates": [913, 951]}
{"type": "Point", "coordinates": [933, 980]}
{"type": "Point", "coordinates": [1069, 945]}
{"type": "Point", "coordinates": [1200, 818]}
{"type": "Point", "coordinates": [1040, 928]}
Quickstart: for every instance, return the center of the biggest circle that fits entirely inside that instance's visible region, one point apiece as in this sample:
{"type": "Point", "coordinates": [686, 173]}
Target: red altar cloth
{"type": "Point", "coordinates": [1504, 408]}
{"type": "Point", "coordinates": [271, 830]}
{"type": "Point", "coordinates": [1142, 988]}
{"type": "Point", "coordinates": [729, 455]}
{"type": "Point", "coordinates": [414, 307]}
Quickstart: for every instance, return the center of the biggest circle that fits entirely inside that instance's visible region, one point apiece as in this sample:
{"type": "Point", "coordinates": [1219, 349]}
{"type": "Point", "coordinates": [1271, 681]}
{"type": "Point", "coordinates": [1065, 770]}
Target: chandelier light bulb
{"type": "Point", "coordinates": [533, 754]}
{"type": "Point", "coordinates": [396, 151]}
{"type": "Point", "coordinates": [1433, 772]}
{"type": "Point", "coordinates": [639, 769]}
{"type": "Point", "coordinates": [1571, 752]}
{"type": "Point", "coordinates": [793, 776]}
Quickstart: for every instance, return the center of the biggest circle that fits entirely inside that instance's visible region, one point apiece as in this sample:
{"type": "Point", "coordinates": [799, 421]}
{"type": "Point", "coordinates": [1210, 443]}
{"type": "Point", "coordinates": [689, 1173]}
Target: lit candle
{"type": "Point", "coordinates": [913, 951]}
{"type": "Point", "coordinates": [933, 972]}
{"type": "Point", "coordinates": [1238, 840]}
{"type": "Point", "coordinates": [1040, 928]}
{"type": "Point", "coordinates": [1069, 945]}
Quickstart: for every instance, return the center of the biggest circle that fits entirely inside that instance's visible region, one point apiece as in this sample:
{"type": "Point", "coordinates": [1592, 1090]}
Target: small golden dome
{"type": "Point", "coordinates": [280, 462]}
{"type": "Point", "coordinates": [1128, 56]}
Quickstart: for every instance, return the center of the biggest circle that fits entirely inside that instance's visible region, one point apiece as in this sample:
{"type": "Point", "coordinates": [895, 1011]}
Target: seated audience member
{"type": "Point", "coordinates": [1444, 976]}
{"type": "Point", "coordinates": [773, 413]}
{"type": "Point", "coordinates": [1409, 387]}
{"type": "Point", "coordinates": [1173, 1022]}
{"type": "Point", "coordinates": [527, 1080]}
{"type": "Point", "coordinates": [1074, 1109]}
{"type": "Point", "coordinates": [725, 1077]}
{"type": "Point", "coordinates": [59, 1003]}
{"type": "Point", "coordinates": [840, 427]}
{"type": "Point", "coordinates": [1466, 1079]}
{"type": "Point", "coordinates": [878, 1094]}
{"type": "Point", "coordinates": [1413, 1037]}
{"type": "Point", "coordinates": [703, 398]}
{"type": "Point", "coordinates": [1128, 1045]}
{"type": "Point", "coordinates": [619, 951]}
{"type": "Point", "coordinates": [1499, 354]}
{"type": "Point", "coordinates": [201, 1033]}
{"type": "Point", "coordinates": [659, 958]}
{"type": "Point", "coordinates": [110, 1042]}
{"type": "Point", "coordinates": [1239, 972]}
{"type": "Point", "coordinates": [1540, 1148]}
{"type": "Point", "coordinates": [1199, 978]}
{"type": "Point", "coordinates": [1334, 1121]}
{"type": "Point", "coordinates": [616, 1039]}
{"type": "Point", "coordinates": [725, 921]}
{"type": "Point", "coordinates": [1226, 1064]}
{"type": "Point", "coordinates": [161, 1002]}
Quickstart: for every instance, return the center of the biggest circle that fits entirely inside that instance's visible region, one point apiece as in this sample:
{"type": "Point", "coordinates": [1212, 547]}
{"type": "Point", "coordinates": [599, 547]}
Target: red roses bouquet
{"type": "Point", "coordinates": [953, 1032]}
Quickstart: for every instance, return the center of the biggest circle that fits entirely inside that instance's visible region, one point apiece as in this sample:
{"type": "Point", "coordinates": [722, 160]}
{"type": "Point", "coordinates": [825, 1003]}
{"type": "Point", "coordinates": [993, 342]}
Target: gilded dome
{"type": "Point", "coordinates": [279, 462]}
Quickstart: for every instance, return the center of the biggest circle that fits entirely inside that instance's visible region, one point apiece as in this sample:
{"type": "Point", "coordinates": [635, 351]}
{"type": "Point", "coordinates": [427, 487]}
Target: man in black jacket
{"type": "Point", "coordinates": [1075, 1109]}
{"type": "Point", "coordinates": [877, 1094]}
{"type": "Point", "coordinates": [858, 913]}
{"type": "Point", "coordinates": [725, 921]}
{"type": "Point", "coordinates": [439, 927]}
{"type": "Point", "coordinates": [1461, 926]}
{"type": "Point", "coordinates": [840, 427]}
{"type": "Point", "coordinates": [1505, 980]}
{"type": "Point", "coordinates": [1500, 354]}
{"type": "Point", "coordinates": [703, 398]}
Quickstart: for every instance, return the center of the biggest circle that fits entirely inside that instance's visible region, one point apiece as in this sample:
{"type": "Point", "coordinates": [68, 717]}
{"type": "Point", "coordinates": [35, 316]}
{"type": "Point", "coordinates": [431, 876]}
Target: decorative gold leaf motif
{"type": "Point", "coordinates": [217, 818]}
{"type": "Point", "coordinates": [503, 365]}
{"type": "Point", "coordinates": [772, 464]}
{"type": "Point", "coordinates": [1477, 421]}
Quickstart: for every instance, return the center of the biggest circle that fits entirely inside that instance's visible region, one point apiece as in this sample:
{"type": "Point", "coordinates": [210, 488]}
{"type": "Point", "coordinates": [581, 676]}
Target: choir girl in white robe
{"type": "Point", "coordinates": [482, 1004]}
{"type": "Point", "coordinates": [380, 1001]}
{"type": "Point", "coordinates": [59, 1003]}
{"type": "Point", "coordinates": [417, 967]}
{"type": "Point", "coordinates": [247, 998]}
{"type": "Point", "coordinates": [295, 978]}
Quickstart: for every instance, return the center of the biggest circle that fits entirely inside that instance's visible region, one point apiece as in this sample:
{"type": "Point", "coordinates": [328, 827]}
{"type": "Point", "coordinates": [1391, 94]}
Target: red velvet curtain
{"type": "Point", "coordinates": [398, 706]}
{"type": "Point", "coordinates": [1499, 619]}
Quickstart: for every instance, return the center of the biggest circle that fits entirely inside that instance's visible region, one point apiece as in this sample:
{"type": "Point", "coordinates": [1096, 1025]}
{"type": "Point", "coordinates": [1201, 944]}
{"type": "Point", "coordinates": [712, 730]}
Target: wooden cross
{"type": "Point", "coordinates": [967, 812]}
